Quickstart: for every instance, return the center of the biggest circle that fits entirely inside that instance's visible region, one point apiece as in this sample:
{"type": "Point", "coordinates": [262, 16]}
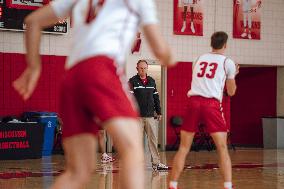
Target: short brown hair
{"type": "Point", "coordinates": [142, 60]}
{"type": "Point", "coordinates": [219, 39]}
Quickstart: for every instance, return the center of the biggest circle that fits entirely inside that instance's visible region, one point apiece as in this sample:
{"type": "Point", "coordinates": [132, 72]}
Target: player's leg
{"type": "Point", "coordinates": [192, 19]}
{"type": "Point", "coordinates": [80, 156]}
{"type": "Point", "coordinates": [189, 128]}
{"type": "Point", "coordinates": [184, 17]}
{"type": "Point", "coordinates": [127, 136]}
{"type": "Point", "coordinates": [79, 140]}
{"type": "Point", "coordinates": [111, 107]}
{"type": "Point", "coordinates": [179, 159]}
{"type": "Point", "coordinates": [216, 125]}
{"type": "Point", "coordinates": [249, 25]}
{"type": "Point", "coordinates": [220, 140]}
{"type": "Point", "coordinates": [184, 12]}
{"type": "Point", "coordinates": [245, 18]}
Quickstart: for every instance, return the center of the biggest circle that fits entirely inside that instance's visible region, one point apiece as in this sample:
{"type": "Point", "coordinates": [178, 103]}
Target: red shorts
{"type": "Point", "coordinates": [207, 111]}
{"type": "Point", "coordinates": [92, 93]}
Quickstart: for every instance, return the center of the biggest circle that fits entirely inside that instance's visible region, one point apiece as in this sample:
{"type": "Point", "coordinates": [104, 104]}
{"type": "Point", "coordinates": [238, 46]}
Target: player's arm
{"type": "Point", "coordinates": [231, 87]}
{"type": "Point", "coordinates": [35, 23]}
{"type": "Point", "coordinates": [40, 19]}
{"type": "Point", "coordinates": [152, 33]}
{"type": "Point", "coordinates": [158, 45]}
{"type": "Point", "coordinates": [232, 70]}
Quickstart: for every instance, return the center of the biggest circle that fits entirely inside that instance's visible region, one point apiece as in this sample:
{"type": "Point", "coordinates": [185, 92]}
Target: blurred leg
{"type": "Point", "coordinates": [80, 156]}
{"type": "Point", "coordinates": [127, 136]}
{"type": "Point", "coordinates": [179, 159]}
{"type": "Point", "coordinates": [220, 140]}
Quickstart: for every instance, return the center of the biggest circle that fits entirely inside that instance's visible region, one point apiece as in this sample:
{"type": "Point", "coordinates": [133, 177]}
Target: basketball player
{"type": "Point", "coordinates": [211, 72]}
{"type": "Point", "coordinates": [93, 92]}
{"type": "Point", "coordinates": [186, 4]}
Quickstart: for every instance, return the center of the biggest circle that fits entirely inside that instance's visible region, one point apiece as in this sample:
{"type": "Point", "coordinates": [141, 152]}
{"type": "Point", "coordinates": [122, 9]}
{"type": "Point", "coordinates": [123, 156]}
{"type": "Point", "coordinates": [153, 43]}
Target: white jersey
{"type": "Point", "coordinates": [111, 32]}
{"type": "Point", "coordinates": [209, 74]}
{"type": "Point", "coordinates": [187, 2]}
{"type": "Point", "coordinates": [247, 5]}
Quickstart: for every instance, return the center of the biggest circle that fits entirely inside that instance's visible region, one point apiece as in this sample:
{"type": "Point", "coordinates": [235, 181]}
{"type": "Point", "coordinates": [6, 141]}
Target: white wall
{"type": "Point", "coordinates": [218, 15]}
{"type": "Point", "coordinates": [51, 44]}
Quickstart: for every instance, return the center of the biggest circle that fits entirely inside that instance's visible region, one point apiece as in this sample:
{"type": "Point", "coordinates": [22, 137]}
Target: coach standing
{"type": "Point", "coordinates": [144, 89]}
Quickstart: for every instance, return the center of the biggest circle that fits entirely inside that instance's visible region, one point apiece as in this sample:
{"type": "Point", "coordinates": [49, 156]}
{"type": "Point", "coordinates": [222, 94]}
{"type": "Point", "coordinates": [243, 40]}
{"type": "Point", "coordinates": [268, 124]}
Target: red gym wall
{"type": "Point", "coordinates": [45, 97]}
{"type": "Point", "coordinates": [178, 83]}
{"type": "Point", "coordinates": [255, 98]}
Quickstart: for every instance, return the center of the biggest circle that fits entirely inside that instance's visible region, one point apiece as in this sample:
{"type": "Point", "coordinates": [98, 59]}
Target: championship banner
{"type": "Point", "coordinates": [13, 13]}
{"type": "Point", "coordinates": [188, 17]}
{"type": "Point", "coordinates": [247, 19]}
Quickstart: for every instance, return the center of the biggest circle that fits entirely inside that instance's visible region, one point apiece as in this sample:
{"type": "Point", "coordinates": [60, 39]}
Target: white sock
{"type": "Point", "coordinates": [228, 185]}
{"type": "Point", "coordinates": [173, 184]}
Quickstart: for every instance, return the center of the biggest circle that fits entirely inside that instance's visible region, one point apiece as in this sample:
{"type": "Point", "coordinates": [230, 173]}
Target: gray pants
{"type": "Point", "coordinates": [149, 125]}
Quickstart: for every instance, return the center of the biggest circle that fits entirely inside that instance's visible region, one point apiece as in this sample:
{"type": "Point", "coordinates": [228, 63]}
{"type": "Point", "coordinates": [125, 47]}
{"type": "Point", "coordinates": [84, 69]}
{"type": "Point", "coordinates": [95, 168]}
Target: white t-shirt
{"type": "Point", "coordinates": [112, 31]}
{"type": "Point", "coordinates": [209, 74]}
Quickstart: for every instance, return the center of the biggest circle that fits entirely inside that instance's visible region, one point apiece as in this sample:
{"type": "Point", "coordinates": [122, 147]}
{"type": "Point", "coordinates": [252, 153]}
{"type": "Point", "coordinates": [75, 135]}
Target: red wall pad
{"type": "Point", "coordinates": [255, 98]}
{"type": "Point", "coordinates": [45, 97]}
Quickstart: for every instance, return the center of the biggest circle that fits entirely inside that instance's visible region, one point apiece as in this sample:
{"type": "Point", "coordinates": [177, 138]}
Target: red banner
{"type": "Point", "coordinates": [188, 17]}
{"type": "Point", "coordinates": [247, 20]}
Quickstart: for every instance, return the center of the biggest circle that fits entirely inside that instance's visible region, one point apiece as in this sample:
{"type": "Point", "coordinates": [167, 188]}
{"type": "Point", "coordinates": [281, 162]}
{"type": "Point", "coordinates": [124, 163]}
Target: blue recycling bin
{"type": "Point", "coordinates": [49, 121]}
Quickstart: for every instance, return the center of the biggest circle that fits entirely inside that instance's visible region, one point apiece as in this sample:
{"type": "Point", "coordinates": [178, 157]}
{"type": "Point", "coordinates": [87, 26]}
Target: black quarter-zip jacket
{"type": "Point", "coordinates": [146, 95]}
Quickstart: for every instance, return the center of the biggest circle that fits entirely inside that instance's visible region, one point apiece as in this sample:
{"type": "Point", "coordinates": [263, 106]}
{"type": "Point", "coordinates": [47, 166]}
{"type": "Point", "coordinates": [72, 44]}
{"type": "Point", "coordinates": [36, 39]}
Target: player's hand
{"type": "Point", "coordinates": [159, 117]}
{"type": "Point", "coordinates": [26, 83]}
{"type": "Point", "coordinates": [237, 69]}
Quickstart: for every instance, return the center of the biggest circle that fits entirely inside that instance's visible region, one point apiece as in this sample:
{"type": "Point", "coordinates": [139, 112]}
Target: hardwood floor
{"type": "Point", "coordinates": [252, 169]}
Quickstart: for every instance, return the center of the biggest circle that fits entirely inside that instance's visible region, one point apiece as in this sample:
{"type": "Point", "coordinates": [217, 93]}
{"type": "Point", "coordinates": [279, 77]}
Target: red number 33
{"type": "Point", "coordinates": [205, 72]}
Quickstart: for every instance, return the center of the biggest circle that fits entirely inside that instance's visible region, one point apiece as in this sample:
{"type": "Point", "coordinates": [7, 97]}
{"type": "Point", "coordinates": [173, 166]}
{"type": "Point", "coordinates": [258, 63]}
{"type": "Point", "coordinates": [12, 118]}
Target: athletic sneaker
{"type": "Point", "coordinates": [160, 167]}
{"type": "Point", "coordinates": [106, 158]}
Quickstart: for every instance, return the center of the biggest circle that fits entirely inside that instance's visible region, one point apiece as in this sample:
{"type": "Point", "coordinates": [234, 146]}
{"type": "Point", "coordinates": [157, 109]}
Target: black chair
{"type": "Point", "coordinates": [176, 123]}
{"type": "Point", "coordinates": [202, 140]}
